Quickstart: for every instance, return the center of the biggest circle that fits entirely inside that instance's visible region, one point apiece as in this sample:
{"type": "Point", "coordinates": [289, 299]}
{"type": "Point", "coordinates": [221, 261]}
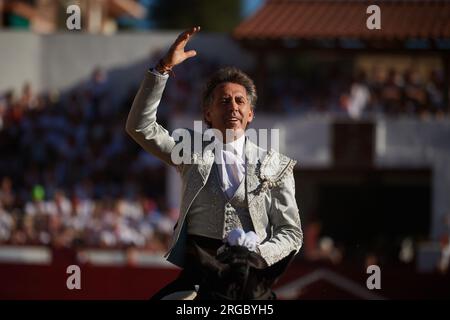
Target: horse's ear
{"type": "Point", "coordinates": [256, 261]}
{"type": "Point", "coordinates": [208, 261]}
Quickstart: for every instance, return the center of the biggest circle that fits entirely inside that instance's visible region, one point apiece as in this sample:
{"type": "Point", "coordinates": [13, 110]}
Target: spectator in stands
{"type": "Point", "coordinates": [415, 95]}
{"type": "Point", "coordinates": [6, 224]}
{"type": "Point", "coordinates": [7, 196]}
{"type": "Point", "coordinates": [359, 96]}
{"type": "Point", "coordinates": [435, 89]}
{"type": "Point", "coordinates": [318, 247]}
{"type": "Point", "coordinates": [444, 261]}
{"type": "Point", "coordinates": [97, 93]}
{"type": "Point", "coordinates": [391, 93]}
{"type": "Point", "coordinates": [2, 112]}
{"type": "Point", "coordinates": [28, 100]}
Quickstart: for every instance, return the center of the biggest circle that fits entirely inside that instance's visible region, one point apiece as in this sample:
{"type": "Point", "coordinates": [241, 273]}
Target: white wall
{"type": "Point", "coordinates": [61, 60]}
{"type": "Point", "coordinates": [20, 60]}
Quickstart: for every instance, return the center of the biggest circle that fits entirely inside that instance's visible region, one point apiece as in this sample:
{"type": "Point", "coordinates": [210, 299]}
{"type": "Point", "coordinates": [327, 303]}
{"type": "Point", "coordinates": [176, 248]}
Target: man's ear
{"type": "Point", "coordinates": [250, 115]}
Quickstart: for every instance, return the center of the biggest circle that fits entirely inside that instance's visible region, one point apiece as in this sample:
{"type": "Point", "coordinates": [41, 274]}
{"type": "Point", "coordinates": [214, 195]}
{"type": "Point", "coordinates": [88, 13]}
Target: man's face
{"type": "Point", "coordinates": [230, 109]}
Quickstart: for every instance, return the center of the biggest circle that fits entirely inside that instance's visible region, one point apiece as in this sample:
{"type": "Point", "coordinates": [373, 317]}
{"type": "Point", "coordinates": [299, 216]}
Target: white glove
{"type": "Point", "coordinates": [251, 241]}
{"type": "Point", "coordinates": [236, 237]}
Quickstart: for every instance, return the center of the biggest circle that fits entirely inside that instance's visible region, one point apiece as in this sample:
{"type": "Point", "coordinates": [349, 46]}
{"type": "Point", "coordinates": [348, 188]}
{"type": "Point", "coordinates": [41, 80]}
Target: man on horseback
{"type": "Point", "coordinates": [233, 190]}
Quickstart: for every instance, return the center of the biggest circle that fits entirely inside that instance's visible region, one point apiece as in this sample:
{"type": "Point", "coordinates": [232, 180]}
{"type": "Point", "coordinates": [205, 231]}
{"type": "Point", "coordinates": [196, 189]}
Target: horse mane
{"type": "Point", "coordinates": [234, 274]}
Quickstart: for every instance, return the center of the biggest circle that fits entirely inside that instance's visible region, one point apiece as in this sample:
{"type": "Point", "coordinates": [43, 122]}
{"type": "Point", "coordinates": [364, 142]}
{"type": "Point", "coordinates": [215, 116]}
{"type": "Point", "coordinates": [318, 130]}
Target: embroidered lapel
{"type": "Point", "coordinates": [253, 163]}
{"type": "Point", "coordinates": [254, 156]}
{"type": "Point", "coordinates": [205, 164]}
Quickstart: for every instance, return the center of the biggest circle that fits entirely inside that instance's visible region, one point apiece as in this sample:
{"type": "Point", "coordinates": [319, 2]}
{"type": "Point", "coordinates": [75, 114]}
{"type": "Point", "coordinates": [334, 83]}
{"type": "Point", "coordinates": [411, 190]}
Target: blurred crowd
{"type": "Point", "coordinates": [71, 176]}
{"type": "Point", "coordinates": [320, 247]}
{"type": "Point", "coordinates": [388, 92]}
{"type": "Point", "coordinates": [77, 222]}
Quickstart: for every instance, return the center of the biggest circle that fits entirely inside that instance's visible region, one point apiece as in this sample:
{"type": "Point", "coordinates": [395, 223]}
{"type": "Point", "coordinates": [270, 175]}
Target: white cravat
{"type": "Point", "coordinates": [232, 166]}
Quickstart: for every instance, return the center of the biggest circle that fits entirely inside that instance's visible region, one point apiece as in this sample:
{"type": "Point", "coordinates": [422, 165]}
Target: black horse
{"type": "Point", "coordinates": [236, 274]}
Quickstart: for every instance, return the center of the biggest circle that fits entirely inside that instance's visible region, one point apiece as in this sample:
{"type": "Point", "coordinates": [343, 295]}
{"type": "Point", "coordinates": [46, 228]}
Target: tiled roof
{"type": "Point", "coordinates": [331, 19]}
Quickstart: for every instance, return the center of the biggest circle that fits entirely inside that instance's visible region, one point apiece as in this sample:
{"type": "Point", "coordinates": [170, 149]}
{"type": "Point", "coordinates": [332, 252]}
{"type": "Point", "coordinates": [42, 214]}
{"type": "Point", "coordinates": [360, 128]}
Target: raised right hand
{"type": "Point", "coordinates": [176, 53]}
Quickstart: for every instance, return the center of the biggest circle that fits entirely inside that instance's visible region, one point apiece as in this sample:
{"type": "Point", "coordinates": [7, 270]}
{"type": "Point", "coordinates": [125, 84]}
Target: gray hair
{"type": "Point", "coordinates": [233, 75]}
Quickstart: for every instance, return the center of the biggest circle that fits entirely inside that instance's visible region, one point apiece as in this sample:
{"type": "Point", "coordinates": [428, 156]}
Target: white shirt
{"type": "Point", "coordinates": [231, 164]}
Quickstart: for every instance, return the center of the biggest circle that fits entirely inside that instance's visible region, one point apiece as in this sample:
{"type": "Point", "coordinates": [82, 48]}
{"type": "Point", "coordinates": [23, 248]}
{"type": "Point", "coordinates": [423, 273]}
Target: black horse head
{"type": "Point", "coordinates": [235, 274]}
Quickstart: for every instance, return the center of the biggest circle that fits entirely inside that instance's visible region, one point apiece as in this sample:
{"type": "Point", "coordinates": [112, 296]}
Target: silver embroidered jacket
{"type": "Point", "coordinates": [270, 185]}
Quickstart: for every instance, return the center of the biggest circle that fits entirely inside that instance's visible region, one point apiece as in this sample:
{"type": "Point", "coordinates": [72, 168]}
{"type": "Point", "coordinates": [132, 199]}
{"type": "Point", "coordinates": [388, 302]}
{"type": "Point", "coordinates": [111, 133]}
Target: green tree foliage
{"type": "Point", "coordinates": [211, 15]}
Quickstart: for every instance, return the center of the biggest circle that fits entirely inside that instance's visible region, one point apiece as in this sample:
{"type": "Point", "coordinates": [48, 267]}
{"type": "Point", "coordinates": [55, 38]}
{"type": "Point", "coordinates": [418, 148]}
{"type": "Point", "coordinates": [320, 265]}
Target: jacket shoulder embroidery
{"type": "Point", "coordinates": [273, 169]}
